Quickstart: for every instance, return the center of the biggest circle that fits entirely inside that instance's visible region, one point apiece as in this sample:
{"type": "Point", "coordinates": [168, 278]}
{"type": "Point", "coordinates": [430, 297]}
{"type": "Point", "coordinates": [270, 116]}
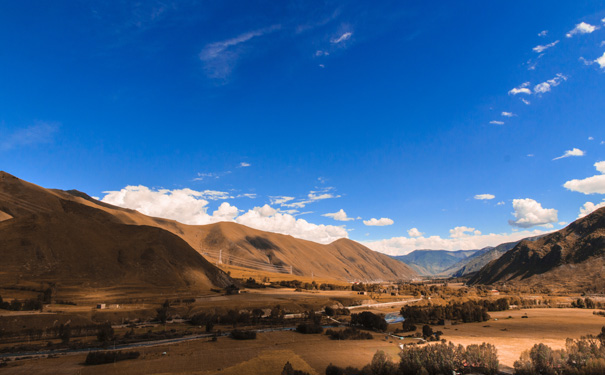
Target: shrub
{"type": "Point", "coordinates": [242, 335]}
{"type": "Point", "coordinates": [309, 328]}
{"type": "Point", "coordinates": [99, 358]}
{"type": "Point", "coordinates": [349, 334]}
{"type": "Point", "coordinates": [369, 320]}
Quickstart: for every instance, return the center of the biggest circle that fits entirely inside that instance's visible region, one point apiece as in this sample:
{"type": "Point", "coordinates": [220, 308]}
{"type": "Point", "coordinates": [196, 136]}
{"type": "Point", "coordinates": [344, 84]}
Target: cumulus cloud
{"type": "Point", "coordinates": [581, 28]}
{"type": "Point", "coordinates": [589, 185]}
{"type": "Point", "coordinates": [463, 231]}
{"type": "Point", "coordinates": [589, 208]}
{"type": "Point", "coordinates": [189, 207]}
{"type": "Point", "coordinates": [522, 89]}
{"type": "Point", "coordinates": [572, 152]}
{"type": "Point", "coordinates": [268, 219]}
{"type": "Point", "coordinates": [405, 245]}
{"type": "Point", "coordinates": [541, 48]}
{"type": "Point", "coordinates": [495, 122]}
{"type": "Point", "coordinates": [508, 114]}
{"type": "Point", "coordinates": [339, 216]}
{"type": "Point", "coordinates": [545, 87]}
{"type": "Point", "coordinates": [484, 196]}
{"type": "Point", "coordinates": [601, 61]}
{"type": "Point", "coordinates": [383, 221]}
{"type": "Point", "coordinates": [529, 213]}
{"type": "Point", "coordinates": [342, 38]}
{"type": "Point", "coordinates": [219, 58]}
{"type": "Point", "coordinates": [414, 232]}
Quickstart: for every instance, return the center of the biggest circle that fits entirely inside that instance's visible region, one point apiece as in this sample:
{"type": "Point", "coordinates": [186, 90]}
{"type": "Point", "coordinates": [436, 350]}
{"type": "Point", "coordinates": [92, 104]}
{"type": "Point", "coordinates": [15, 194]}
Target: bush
{"type": "Point", "coordinates": [309, 328]}
{"type": "Point", "coordinates": [349, 334]}
{"type": "Point", "coordinates": [99, 358]}
{"type": "Point", "coordinates": [242, 335]}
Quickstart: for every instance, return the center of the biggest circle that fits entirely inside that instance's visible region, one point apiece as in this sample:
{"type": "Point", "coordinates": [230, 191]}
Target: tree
{"type": "Point", "coordinates": [104, 333]}
{"type": "Point", "coordinates": [64, 333]}
{"type": "Point", "coordinates": [427, 331]}
{"type": "Point", "coordinates": [162, 312]}
{"type": "Point", "coordinates": [329, 311]}
{"type": "Point", "coordinates": [381, 365]}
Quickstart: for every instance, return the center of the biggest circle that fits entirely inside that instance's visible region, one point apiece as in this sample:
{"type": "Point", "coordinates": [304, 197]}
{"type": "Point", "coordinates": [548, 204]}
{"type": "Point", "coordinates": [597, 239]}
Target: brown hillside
{"type": "Point", "coordinates": [343, 259]}
{"type": "Point", "coordinates": [571, 257]}
{"type": "Point", "coordinates": [52, 239]}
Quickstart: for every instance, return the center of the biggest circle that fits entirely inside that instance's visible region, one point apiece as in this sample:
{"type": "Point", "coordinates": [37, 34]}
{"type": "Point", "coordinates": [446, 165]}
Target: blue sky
{"type": "Point", "coordinates": [280, 115]}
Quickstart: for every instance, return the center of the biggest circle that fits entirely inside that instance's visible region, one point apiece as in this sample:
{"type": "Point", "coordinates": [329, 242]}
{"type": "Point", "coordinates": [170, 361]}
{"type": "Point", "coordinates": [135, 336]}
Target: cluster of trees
{"type": "Point", "coordinates": [434, 359]}
{"type": "Point", "coordinates": [26, 305]}
{"type": "Point", "coordinates": [369, 320]}
{"type": "Point", "coordinates": [585, 356]}
{"type": "Point", "coordinates": [501, 304]}
{"type": "Point", "coordinates": [349, 334]}
{"type": "Point", "coordinates": [466, 312]}
{"type": "Point", "coordinates": [99, 358]}
{"type": "Point", "coordinates": [309, 328]}
{"type": "Point", "coordinates": [585, 303]}
{"type": "Point", "coordinates": [289, 370]}
{"type": "Point", "coordinates": [242, 335]}
{"type": "Point", "coordinates": [330, 311]}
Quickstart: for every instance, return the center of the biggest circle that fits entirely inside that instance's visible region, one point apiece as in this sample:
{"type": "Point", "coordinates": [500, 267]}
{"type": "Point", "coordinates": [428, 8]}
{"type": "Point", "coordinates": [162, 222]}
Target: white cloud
{"type": "Point", "coordinates": [530, 155]}
{"type": "Point", "coordinates": [244, 164]}
{"type": "Point", "coordinates": [572, 152]}
{"type": "Point", "coordinates": [601, 61]}
{"type": "Point", "coordinates": [543, 33]}
{"type": "Point", "coordinates": [339, 216]}
{"type": "Point", "coordinates": [188, 206]}
{"type": "Point", "coordinates": [280, 199]}
{"type": "Point", "coordinates": [312, 197]}
{"type": "Point", "coordinates": [589, 185]}
{"type": "Point", "coordinates": [463, 231]}
{"type": "Point", "coordinates": [321, 53]}
{"type": "Point", "coordinates": [414, 232]}
{"type": "Point", "coordinates": [508, 114]}
{"type": "Point", "coordinates": [344, 37]}
{"type": "Point", "coordinates": [268, 219]}
{"type": "Point", "coordinates": [484, 196]}
{"type": "Point", "coordinates": [589, 208]}
{"type": "Point", "coordinates": [527, 102]}
{"type": "Point", "coordinates": [494, 122]}
{"type": "Point", "coordinates": [247, 195]}
{"type": "Point", "coordinates": [591, 138]}
{"type": "Point", "coordinates": [220, 57]}
{"type": "Point", "coordinates": [530, 213]}
{"type": "Point", "coordinates": [581, 28]}
{"type": "Point", "coordinates": [545, 87]}
{"type": "Point", "coordinates": [586, 62]}
{"type": "Point", "coordinates": [522, 89]}
{"type": "Point", "coordinates": [383, 221]}
{"type": "Point", "coordinates": [322, 66]}
{"type": "Point", "coordinates": [405, 245]}
{"type": "Point", "coordinates": [541, 48]}
{"type": "Point", "coordinates": [38, 133]}
{"type": "Point", "coordinates": [501, 203]}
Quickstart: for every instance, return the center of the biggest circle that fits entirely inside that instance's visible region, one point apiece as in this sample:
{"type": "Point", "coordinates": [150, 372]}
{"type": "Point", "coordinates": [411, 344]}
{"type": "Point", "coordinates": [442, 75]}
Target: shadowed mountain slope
{"type": "Point", "coordinates": [572, 257]}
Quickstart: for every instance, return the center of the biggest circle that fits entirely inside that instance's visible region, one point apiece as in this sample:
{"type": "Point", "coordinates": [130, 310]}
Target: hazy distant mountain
{"type": "Point", "coordinates": [571, 258]}
{"type": "Point", "coordinates": [479, 259]}
{"type": "Point", "coordinates": [432, 262]}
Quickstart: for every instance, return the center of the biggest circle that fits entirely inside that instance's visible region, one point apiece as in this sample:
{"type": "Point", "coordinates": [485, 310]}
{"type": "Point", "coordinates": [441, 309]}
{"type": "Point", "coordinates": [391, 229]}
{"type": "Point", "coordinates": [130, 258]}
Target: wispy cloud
{"type": "Point", "coordinates": [496, 122]}
{"type": "Point", "coordinates": [39, 133]}
{"type": "Point", "coordinates": [342, 38]}
{"type": "Point", "coordinates": [525, 101]}
{"type": "Point", "coordinates": [522, 89]}
{"type": "Point", "coordinates": [220, 57]}
{"type": "Point", "coordinates": [484, 196]}
{"type": "Point", "coordinates": [581, 28]}
{"type": "Point", "coordinates": [508, 114]}
{"type": "Point", "coordinates": [244, 164]}
{"type": "Point", "coordinates": [572, 152]}
{"type": "Point", "coordinates": [545, 87]}
{"type": "Point", "coordinates": [541, 48]}
{"type": "Point", "coordinates": [543, 33]}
